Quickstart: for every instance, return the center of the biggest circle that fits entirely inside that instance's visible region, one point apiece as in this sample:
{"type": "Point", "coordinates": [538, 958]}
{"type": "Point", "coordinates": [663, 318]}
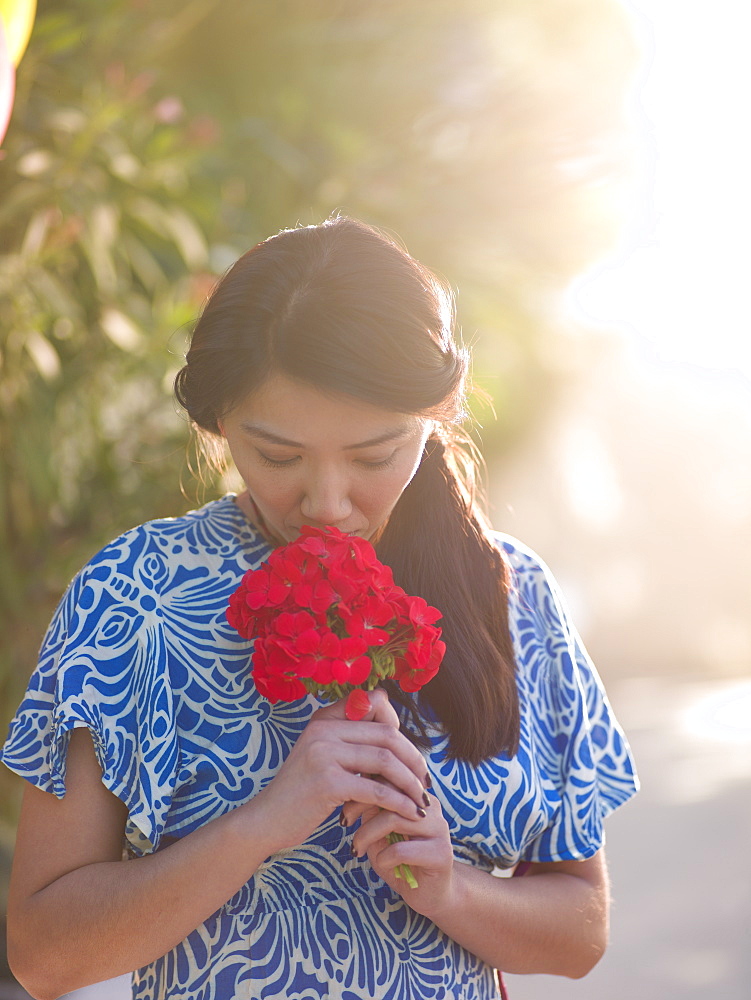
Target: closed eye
{"type": "Point", "coordinates": [281, 463]}
{"type": "Point", "coordinates": [383, 463]}
{"type": "Point", "coordinates": [275, 463]}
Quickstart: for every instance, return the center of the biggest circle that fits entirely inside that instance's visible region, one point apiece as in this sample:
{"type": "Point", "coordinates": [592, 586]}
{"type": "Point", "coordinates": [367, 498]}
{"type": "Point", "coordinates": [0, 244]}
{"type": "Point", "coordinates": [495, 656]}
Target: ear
{"type": "Point", "coordinates": [220, 425]}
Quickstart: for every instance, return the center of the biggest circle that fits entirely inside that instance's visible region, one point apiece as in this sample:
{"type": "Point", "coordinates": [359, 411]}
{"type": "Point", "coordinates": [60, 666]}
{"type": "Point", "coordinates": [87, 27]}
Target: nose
{"type": "Point", "coordinates": [326, 501]}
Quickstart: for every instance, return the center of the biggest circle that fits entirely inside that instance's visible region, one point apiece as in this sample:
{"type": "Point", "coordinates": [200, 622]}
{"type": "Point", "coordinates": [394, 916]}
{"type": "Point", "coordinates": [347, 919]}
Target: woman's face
{"type": "Point", "coordinates": [310, 458]}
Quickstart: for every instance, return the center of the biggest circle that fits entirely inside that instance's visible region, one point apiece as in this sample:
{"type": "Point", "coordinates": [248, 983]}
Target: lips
{"type": "Point", "coordinates": [298, 528]}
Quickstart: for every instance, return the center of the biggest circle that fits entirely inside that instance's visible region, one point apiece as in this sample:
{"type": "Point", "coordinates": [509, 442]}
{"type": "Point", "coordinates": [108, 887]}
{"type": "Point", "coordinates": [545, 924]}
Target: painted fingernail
{"type": "Point", "coordinates": [421, 812]}
{"type": "Point", "coordinates": [342, 819]}
{"type": "Point", "coordinates": [426, 799]}
{"type": "Point", "coordinates": [428, 781]}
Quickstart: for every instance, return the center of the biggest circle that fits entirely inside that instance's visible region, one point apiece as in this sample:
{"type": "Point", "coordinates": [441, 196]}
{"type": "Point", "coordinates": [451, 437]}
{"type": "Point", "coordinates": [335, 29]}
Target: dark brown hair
{"type": "Point", "coordinates": [343, 308]}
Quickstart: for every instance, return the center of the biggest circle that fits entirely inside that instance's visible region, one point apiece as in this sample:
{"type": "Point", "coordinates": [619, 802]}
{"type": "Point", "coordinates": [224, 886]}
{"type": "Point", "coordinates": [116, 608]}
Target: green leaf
{"type": "Point", "coordinates": [187, 236]}
{"type": "Point", "coordinates": [121, 330]}
{"type": "Point", "coordinates": [43, 354]}
{"type": "Point", "coordinates": [143, 262]}
{"type": "Point", "coordinates": [96, 242]}
{"type": "Point", "coordinates": [60, 302]}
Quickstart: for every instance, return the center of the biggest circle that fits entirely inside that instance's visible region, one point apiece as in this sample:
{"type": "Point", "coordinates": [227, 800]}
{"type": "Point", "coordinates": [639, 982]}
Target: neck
{"type": "Point", "coordinates": [247, 505]}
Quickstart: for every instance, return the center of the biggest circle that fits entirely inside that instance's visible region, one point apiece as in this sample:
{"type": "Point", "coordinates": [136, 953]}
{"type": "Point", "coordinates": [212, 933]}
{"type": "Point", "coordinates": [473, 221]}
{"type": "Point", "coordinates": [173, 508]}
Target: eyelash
{"type": "Point", "coordinates": [385, 463]}
{"type": "Point", "coordinates": [285, 463]}
{"type": "Point", "coordinates": [272, 464]}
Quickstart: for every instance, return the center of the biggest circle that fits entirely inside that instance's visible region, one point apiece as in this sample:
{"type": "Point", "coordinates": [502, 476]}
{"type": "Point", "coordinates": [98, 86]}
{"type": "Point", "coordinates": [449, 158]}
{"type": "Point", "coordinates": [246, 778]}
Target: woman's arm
{"type": "Point", "coordinates": [552, 920]}
{"type": "Point", "coordinates": [78, 914]}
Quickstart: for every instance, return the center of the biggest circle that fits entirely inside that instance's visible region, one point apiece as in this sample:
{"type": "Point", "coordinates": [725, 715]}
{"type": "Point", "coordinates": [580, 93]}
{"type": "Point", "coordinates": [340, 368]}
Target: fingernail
{"type": "Point", "coordinates": [421, 812]}
{"type": "Point", "coordinates": [353, 851]}
{"type": "Point", "coordinates": [342, 819]}
{"type": "Point", "coordinates": [426, 799]}
{"type": "Point", "coordinates": [428, 781]}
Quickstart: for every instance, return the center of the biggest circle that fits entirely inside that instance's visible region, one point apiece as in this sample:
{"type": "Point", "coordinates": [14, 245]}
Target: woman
{"type": "Point", "coordinates": [259, 865]}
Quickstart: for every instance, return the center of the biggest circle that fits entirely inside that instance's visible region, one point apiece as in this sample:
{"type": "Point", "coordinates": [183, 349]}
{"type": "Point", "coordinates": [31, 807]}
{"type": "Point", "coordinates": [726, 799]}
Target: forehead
{"type": "Point", "coordinates": [291, 409]}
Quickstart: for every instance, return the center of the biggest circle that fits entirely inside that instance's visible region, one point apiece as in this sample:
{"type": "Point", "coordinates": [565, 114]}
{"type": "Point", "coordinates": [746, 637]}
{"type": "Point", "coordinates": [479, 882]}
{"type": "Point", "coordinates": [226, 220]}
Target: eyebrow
{"type": "Point", "coordinates": [272, 438]}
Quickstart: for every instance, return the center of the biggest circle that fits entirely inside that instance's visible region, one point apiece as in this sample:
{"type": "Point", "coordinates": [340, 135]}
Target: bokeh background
{"type": "Point", "coordinates": [578, 171]}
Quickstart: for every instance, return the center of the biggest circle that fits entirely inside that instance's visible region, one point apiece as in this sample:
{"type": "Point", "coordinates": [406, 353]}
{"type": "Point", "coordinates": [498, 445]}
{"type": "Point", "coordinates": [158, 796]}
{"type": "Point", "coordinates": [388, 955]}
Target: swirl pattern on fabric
{"type": "Point", "coordinates": [139, 651]}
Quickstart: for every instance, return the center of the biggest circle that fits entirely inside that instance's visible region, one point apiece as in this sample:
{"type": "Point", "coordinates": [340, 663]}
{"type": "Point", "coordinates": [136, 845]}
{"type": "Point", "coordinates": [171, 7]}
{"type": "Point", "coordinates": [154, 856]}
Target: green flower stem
{"type": "Point", "coordinates": [403, 871]}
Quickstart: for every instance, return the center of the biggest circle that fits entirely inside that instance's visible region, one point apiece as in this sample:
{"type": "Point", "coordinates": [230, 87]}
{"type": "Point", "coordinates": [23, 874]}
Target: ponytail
{"type": "Point", "coordinates": [438, 547]}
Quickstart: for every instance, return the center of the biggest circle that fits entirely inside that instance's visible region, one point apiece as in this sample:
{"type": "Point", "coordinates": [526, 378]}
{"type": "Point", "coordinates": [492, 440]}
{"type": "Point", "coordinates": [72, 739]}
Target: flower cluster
{"type": "Point", "coordinates": [328, 618]}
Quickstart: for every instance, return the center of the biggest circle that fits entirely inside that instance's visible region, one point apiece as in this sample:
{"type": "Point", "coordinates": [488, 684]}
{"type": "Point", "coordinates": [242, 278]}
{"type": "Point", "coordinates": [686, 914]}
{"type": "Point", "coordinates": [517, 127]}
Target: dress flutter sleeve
{"type": "Point", "coordinates": [577, 750]}
{"type": "Point", "coordinates": [103, 666]}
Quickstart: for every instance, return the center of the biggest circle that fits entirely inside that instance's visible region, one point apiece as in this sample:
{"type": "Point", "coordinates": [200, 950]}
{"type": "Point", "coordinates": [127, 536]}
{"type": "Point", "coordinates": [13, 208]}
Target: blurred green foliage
{"type": "Point", "coordinates": [151, 143]}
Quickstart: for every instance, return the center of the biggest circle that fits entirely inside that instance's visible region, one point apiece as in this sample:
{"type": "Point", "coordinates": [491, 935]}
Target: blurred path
{"type": "Point", "coordinates": [679, 855]}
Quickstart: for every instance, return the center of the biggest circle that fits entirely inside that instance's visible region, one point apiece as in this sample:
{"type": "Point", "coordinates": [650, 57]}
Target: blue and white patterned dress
{"type": "Point", "coordinates": [139, 652]}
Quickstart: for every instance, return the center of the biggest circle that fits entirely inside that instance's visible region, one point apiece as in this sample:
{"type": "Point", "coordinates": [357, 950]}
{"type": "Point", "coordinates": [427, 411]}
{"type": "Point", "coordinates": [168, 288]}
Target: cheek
{"type": "Point", "coordinates": [384, 495]}
{"type": "Point", "coordinates": [266, 488]}
{"type": "Point", "coordinates": [271, 493]}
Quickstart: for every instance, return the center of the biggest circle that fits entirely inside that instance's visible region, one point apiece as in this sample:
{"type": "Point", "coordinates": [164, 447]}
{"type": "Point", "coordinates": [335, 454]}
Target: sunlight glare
{"type": "Point", "coordinates": [723, 716]}
{"type": "Point", "coordinates": [679, 279]}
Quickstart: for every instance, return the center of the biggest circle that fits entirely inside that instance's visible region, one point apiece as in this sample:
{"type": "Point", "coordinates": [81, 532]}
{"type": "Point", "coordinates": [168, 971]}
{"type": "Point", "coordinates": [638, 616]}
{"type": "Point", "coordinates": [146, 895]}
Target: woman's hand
{"type": "Point", "coordinates": [427, 851]}
{"type": "Point", "coordinates": [332, 763]}
{"type": "Point", "coordinates": [554, 920]}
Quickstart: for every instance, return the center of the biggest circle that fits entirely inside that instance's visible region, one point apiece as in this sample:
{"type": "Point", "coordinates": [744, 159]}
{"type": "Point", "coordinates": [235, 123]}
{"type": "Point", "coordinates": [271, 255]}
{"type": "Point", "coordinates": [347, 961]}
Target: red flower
{"type": "Point", "coordinates": [367, 619]}
{"type": "Point", "coordinates": [358, 705]}
{"type": "Point", "coordinates": [318, 595]}
{"type": "Point", "coordinates": [329, 618]}
{"type": "Point", "coordinates": [317, 649]}
{"type": "Point", "coordinates": [352, 666]}
{"type": "Point", "coordinates": [421, 659]}
{"type": "Point", "coordinates": [420, 612]}
{"type": "Point", "coordinates": [294, 623]}
{"type": "Point", "coordinates": [263, 590]}
{"type": "Point", "coordinates": [275, 688]}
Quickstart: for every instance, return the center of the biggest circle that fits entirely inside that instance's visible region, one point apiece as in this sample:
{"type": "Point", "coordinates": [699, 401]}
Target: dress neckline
{"type": "Point", "coordinates": [255, 526]}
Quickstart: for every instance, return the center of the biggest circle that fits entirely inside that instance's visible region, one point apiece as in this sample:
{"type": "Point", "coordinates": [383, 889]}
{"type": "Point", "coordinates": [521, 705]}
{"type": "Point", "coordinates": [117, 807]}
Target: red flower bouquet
{"type": "Point", "coordinates": [329, 620]}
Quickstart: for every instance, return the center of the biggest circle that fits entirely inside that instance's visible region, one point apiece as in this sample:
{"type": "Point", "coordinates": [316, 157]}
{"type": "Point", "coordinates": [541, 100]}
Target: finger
{"type": "Point", "coordinates": [386, 753]}
{"type": "Point", "coordinates": [353, 811]}
{"type": "Point", "coordinates": [378, 826]}
{"type": "Point", "coordinates": [378, 764]}
{"type": "Point", "coordinates": [419, 796]}
{"type": "Point", "coordinates": [375, 734]}
{"type": "Point", "coordinates": [427, 856]}
{"type": "Point", "coordinates": [381, 794]}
